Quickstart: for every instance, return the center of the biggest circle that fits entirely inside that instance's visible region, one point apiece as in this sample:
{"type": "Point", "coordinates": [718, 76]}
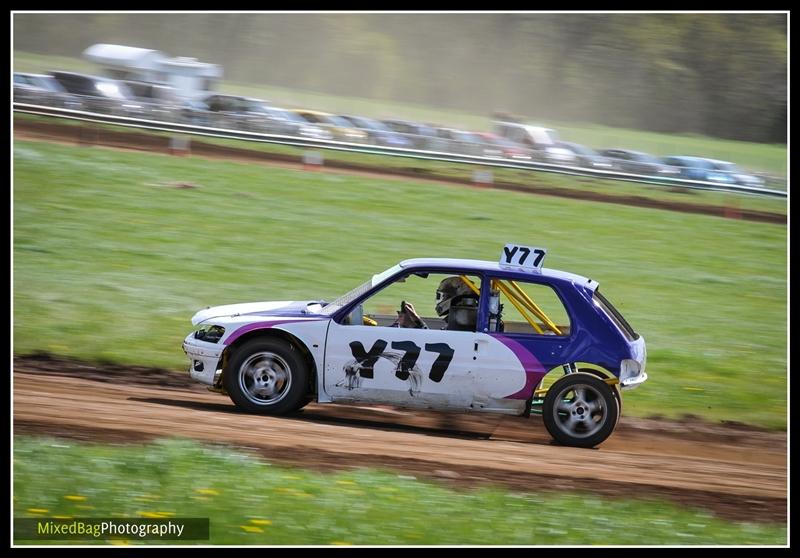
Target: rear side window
{"type": "Point", "coordinates": [615, 315]}
{"type": "Point", "coordinates": [531, 308]}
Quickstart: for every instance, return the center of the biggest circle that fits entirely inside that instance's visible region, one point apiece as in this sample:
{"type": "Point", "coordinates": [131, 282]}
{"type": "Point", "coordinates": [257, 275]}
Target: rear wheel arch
{"type": "Point", "coordinates": [557, 372]}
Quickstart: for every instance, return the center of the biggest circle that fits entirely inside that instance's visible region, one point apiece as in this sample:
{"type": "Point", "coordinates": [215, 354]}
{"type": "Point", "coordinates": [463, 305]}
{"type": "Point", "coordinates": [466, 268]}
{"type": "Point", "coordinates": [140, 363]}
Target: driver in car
{"type": "Point", "coordinates": [455, 302]}
{"type": "Point", "coordinates": [408, 317]}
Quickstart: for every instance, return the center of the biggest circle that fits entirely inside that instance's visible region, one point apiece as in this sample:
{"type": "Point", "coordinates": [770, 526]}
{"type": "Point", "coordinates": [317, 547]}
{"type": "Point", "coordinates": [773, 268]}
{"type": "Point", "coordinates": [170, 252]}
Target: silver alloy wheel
{"type": "Point", "coordinates": [265, 378]}
{"type": "Point", "coordinates": [580, 411]}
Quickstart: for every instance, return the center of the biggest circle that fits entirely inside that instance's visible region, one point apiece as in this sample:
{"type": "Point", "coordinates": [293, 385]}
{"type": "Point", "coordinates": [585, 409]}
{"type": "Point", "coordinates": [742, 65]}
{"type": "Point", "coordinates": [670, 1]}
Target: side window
{"type": "Point", "coordinates": [213, 103]}
{"type": "Point", "coordinates": [523, 307]}
{"type": "Point", "coordinates": [87, 87]}
{"type": "Point", "coordinates": [422, 300]}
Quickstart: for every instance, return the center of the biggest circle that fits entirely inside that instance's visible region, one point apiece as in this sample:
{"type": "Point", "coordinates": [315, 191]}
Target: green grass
{"type": "Point", "coordinates": [754, 156]}
{"type": "Point", "coordinates": [252, 502]}
{"type": "Point", "coordinates": [521, 178]}
{"type": "Point", "coordinates": [532, 180]}
{"type": "Point", "coordinates": [110, 262]}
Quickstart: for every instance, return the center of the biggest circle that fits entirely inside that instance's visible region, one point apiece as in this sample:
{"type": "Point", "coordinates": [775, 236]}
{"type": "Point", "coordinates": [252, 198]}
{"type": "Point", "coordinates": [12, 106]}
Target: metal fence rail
{"type": "Point", "coordinates": [207, 131]}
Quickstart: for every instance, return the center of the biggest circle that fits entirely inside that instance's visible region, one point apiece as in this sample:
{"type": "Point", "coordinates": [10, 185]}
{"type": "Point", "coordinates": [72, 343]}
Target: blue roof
{"type": "Point", "coordinates": [495, 267]}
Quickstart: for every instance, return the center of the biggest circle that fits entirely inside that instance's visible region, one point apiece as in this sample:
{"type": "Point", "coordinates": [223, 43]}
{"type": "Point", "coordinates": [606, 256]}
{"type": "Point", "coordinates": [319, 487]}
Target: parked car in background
{"type": "Point", "coordinates": [379, 133]}
{"type": "Point", "coordinates": [460, 141]}
{"type": "Point", "coordinates": [160, 101]}
{"type": "Point", "coordinates": [543, 142]}
{"type": "Point", "coordinates": [341, 128]}
{"type": "Point", "coordinates": [295, 125]}
{"type": "Point", "coordinates": [636, 162]}
{"type": "Point", "coordinates": [422, 136]}
{"type": "Point", "coordinates": [40, 89]}
{"type": "Point", "coordinates": [502, 148]}
{"type": "Point", "coordinates": [240, 113]}
{"type": "Point", "coordinates": [100, 94]}
{"type": "Point", "coordinates": [587, 157]}
{"type": "Point", "coordinates": [697, 168]}
{"type": "Point", "coordinates": [739, 176]}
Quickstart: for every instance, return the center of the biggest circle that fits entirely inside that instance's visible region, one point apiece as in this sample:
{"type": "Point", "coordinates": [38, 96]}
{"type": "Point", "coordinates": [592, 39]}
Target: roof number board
{"type": "Point", "coordinates": [526, 257]}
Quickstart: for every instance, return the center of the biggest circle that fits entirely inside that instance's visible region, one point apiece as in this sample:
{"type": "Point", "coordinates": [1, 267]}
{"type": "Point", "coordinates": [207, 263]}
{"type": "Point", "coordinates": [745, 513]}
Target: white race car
{"type": "Point", "coordinates": [494, 332]}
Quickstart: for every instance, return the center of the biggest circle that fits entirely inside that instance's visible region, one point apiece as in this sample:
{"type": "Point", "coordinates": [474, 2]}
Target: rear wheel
{"type": "Point", "coordinates": [580, 410]}
{"type": "Point", "coordinates": [267, 376]}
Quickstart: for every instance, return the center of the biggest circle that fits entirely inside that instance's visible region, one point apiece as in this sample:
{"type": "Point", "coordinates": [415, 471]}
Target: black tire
{"type": "Point", "coordinates": [614, 388]}
{"type": "Point", "coordinates": [267, 376]}
{"type": "Point", "coordinates": [618, 396]}
{"type": "Point", "coordinates": [580, 410]}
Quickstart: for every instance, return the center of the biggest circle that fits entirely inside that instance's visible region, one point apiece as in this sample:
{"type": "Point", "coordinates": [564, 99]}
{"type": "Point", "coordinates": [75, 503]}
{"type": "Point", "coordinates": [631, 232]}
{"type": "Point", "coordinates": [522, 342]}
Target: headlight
{"type": "Point", "coordinates": [210, 333]}
{"type": "Point", "coordinates": [629, 369]}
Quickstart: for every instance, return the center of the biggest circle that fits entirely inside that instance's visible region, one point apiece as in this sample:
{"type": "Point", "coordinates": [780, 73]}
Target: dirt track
{"type": "Point", "coordinates": [738, 472]}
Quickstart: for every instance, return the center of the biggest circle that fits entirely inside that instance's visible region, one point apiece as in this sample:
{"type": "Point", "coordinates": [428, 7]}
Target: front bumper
{"type": "Point", "coordinates": [636, 381]}
{"type": "Point", "coordinates": [204, 359]}
{"type": "Point", "coordinates": [633, 371]}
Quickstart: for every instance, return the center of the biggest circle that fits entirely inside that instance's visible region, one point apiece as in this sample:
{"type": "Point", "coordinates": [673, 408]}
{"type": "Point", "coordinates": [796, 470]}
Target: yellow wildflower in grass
{"type": "Point", "coordinates": [75, 498]}
{"type": "Point", "coordinates": [37, 510]}
{"type": "Point", "coordinates": [341, 543]}
{"type": "Point", "coordinates": [150, 515]}
{"type": "Point", "coordinates": [207, 491]}
{"type": "Point", "coordinates": [119, 542]}
{"type": "Point", "coordinates": [62, 517]}
{"type": "Point", "coordinates": [165, 514]}
{"type": "Point", "coordinates": [147, 497]}
{"type": "Point", "coordinates": [251, 529]}
{"type": "Point", "coordinates": [84, 507]}
{"type": "Point", "coordinates": [345, 482]}
{"type": "Point", "coordinates": [261, 521]}
{"type": "Point", "coordinates": [294, 492]}
{"type": "Point", "coordinates": [290, 477]}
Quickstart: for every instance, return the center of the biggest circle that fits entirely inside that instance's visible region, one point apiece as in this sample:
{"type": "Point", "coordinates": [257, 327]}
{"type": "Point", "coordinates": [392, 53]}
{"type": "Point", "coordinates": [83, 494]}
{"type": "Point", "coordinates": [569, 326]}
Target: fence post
{"type": "Point", "coordinates": [312, 160]}
{"type": "Point", "coordinates": [482, 178]}
{"type": "Point", "coordinates": [731, 210]}
{"type": "Point", "coordinates": [179, 145]}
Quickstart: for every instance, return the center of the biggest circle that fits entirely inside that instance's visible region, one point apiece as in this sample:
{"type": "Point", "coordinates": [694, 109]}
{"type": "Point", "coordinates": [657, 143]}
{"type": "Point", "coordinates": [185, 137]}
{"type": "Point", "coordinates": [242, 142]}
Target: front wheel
{"type": "Point", "coordinates": [580, 410]}
{"type": "Point", "coordinates": [267, 376]}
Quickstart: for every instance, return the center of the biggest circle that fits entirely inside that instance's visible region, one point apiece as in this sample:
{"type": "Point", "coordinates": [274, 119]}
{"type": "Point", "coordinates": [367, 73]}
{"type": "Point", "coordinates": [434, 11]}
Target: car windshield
{"type": "Point", "coordinates": [289, 115]}
{"type": "Point", "coordinates": [645, 158]}
{"type": "Point", "coordinates": [350, 296]}
{"type": "Point", "coordinates": [615, 315]}
{"type": "Point", "coordinates": [375, 125]}
{"type": "Point", "coordinates": [503, 142]}
{"type": "Point", "coordinates": [113, 90]}
{"type": "Point", "coordinates": [727, 167]}
{"type": "Point", "coordinates": [337, 121]}
{"type": "Point", "coordinates": [581, 149]}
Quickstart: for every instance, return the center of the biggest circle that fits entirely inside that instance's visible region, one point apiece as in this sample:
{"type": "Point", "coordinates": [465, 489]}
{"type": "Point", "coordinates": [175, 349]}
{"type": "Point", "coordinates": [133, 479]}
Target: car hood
{"type": "Point", "coordinates": [281, 308]}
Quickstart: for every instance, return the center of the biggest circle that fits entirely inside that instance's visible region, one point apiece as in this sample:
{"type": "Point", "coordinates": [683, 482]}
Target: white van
{"type": "Point", "coordinates": [538, 138]}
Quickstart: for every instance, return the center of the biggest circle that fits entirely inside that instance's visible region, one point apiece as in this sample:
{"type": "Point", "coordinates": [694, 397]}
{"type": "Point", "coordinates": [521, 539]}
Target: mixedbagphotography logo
{"type": "Point", "coordinates": [57, 529]}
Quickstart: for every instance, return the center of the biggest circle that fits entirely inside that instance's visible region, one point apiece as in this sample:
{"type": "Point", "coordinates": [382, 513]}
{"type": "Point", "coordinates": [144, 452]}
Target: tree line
{"type": "Point", "coordinates": [722, 75]}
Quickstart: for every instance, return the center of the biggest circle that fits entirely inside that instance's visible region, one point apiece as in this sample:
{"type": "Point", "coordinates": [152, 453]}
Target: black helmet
{"type": "Point", "coordinates": [451, 289]}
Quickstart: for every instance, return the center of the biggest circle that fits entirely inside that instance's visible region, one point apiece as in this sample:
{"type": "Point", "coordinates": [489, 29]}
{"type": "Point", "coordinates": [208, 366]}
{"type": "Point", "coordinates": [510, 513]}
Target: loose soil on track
{"type": "Point", "coordinates": [736, 471]}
